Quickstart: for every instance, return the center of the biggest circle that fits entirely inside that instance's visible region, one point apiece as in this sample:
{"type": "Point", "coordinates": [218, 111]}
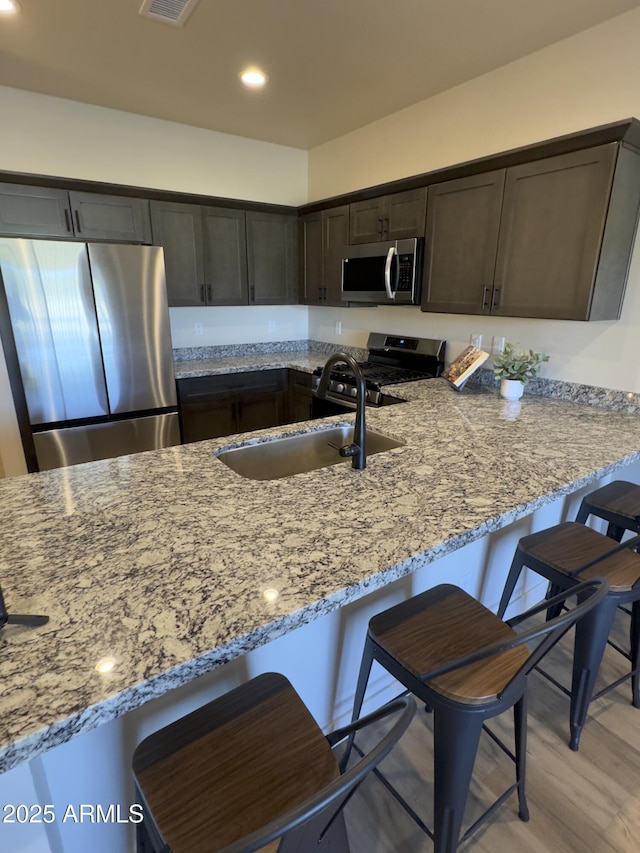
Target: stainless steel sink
{"type": "Point", "coordinates": [295, 454]}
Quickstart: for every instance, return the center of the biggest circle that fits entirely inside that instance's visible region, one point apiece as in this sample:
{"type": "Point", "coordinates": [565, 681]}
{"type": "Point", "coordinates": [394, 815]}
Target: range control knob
{"type": "Point", "coordinates": [339, 388]}
{"type": "Point", "coordinates": [353, 392]}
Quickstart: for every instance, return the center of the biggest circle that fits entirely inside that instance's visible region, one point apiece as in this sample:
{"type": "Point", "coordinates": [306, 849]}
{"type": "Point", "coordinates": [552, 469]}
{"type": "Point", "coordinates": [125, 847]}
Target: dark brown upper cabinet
{"type": "Point", "coordinates": [177, 228]}
{"type": "Point", "coordinates": [323, 237]}
{"type": "Point", "coordinates": [205, 253]}
{"type": "Point", "coordinates": [27, 211]}
{"type": "Point", "coordinates": [225, 256]}
{"type": "Point", "coordinates": [272, 258]}
{"type": "Point", "coordinates": [548, 239]}
{"type": "Point", "coordinates": [463, 221]}
{"type": "Point", "coordinates": [389, 217]}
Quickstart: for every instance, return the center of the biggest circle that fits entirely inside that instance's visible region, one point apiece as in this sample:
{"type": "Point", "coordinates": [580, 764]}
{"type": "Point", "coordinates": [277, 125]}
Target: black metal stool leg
{"type": "Point", "coordinates": [361, 687]}
{"type": "Point", "coordinates": [520, 730]}
{"type": "Point", "coordinates": [615, 532]}
{"type": "Point", "coordinates": [552, 612]}
{"type": "Point", "coordinates": [584, 512]}
{"type": "Point", "coordinates": [363, 679]}
{"type": "Point", "coordinates": [456, 737]}
{"type": "Point", "coordinates": [510, 585]}
{"type": "Point", "coordinates": [592, 633]}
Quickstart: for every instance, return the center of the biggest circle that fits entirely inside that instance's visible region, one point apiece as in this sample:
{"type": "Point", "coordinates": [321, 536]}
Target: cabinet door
{"type": "Point", "coordinates": [335, 230]}
{"type": "Point", "coordinates": [404, 214]}
{"type": "Point", "coordinates": [300, 396]}
{"type": "Point", "coordinates": [34, 212]}
{"type": "Point", "coordinates": [225, 256]}
{"type": "Point", "coordinates": [178, 229]}
{"type": "Point", "coordinates": [311, 274]}
{"type": "Point", "coordinates": [272, 258]}
{"type": "Point", "coordinates": [463, 220]}
{"type": "Point", "coordinates": [207, 408]}
{"type": "Point", "coordinates": [115, 218]}
{"type": "Point", "coordinates": [261, 399]}
{"type": "Point", "coordinates": [199, 421]}
{"type": "Point", "coordinates": [553, 219]}
{"type": "Point", "coordinates": [366, 220]}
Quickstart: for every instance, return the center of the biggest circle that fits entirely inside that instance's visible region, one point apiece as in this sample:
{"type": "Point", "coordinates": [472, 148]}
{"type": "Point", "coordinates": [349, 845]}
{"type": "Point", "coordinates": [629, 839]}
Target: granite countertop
{"type": "Point", "coordinates": [160, 560]}
{"type": "Point", "coordinates": [306, 360]}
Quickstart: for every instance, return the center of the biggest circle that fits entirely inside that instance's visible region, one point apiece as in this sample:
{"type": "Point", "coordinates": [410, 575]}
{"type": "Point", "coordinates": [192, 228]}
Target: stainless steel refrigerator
{"type": "Point", "coordinates": [85, 329]}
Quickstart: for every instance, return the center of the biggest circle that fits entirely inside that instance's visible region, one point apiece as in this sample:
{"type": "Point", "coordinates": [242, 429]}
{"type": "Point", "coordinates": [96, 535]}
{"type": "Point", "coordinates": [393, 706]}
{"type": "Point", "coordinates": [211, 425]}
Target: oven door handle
{"type": "Point", "coordinates": [387, 273]}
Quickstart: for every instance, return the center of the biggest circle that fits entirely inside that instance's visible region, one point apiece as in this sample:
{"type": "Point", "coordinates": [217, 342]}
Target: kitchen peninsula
{"type": "Point", "coordinates": [167, 565]}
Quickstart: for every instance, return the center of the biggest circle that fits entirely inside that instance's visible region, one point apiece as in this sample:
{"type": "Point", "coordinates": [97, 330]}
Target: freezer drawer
{"type": "Point", "coordinates": [57, 448]}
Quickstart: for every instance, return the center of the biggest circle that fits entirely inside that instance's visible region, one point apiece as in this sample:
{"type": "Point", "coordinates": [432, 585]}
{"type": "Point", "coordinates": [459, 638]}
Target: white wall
{"type": "Point", "coordinates": [246, 324]}
{"type": "Point", "coordinates": [581, 82]}
{"type": "Point", "coordinates": [52, 136]}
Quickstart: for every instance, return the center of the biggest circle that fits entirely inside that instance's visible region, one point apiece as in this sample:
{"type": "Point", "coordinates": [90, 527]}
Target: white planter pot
{"type": "Point", "coordinates": [511, 389]}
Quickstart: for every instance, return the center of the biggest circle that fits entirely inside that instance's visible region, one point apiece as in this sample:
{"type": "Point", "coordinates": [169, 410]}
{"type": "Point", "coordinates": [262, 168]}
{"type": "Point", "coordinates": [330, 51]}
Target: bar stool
{"type": "Point", "coordinates": [252, 771]}
{"type": "Point", "coordinates": [566, 554]}
{"type": "Point", "coordinates": [466, 665]}
{"type": "Point", "coordinates": [618, 503]}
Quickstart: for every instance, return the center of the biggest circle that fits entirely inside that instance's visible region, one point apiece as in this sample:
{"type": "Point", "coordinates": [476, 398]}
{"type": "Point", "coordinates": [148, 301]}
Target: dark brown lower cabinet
{"type": "Point", "coordinates": [213, 406]}
{"type": "Point", "coordinates": [300, 403]}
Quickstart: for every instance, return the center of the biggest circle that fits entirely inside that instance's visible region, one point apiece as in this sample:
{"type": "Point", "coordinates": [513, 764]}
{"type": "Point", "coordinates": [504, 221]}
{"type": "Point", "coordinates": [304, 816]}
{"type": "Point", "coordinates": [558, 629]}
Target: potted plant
{"type": "Point", "coordinates": [514, 368]}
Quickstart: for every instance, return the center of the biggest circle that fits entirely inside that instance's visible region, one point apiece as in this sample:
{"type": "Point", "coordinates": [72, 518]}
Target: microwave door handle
{"type": "Point", "coordinates": [387, 273]}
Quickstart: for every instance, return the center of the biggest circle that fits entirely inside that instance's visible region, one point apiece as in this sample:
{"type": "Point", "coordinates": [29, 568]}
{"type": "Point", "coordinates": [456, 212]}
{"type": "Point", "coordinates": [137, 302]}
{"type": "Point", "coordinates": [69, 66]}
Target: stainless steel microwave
{"type": "Point", "coordinates": [388, 273]}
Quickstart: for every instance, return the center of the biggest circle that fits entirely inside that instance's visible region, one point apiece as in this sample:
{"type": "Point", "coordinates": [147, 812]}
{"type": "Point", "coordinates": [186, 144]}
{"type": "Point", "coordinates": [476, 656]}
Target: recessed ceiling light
{"type": "Point", "coordinates": [9, 5]}
{"type": "Point", "coordinates": [253, 78]}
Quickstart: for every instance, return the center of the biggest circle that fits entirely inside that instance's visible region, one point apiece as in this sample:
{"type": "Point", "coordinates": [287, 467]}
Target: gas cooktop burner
{"type": "Point", "coordinates": [392, 360]}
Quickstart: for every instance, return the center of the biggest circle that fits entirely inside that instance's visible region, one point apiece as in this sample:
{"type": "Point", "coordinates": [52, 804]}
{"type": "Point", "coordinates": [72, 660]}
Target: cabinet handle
{"type": "Point", "coordinates": [385, 227]}
{"type": "Point", "coordinates": [485, 290]}
{"type": "Point", "coordinates": [202, 294]}
{"type": "Point", "coordinates": [380, 227]}
{"type": "Point", "coordinates": [67, 222]}
{"type": "Point", "coordinates": [495, 298]}
{"type": "Point", "coordinates": [253, 292]}
{"type": "Point", "coordinates": [209, 294]}
{"type": "Point", "coordinates": [78, 221]}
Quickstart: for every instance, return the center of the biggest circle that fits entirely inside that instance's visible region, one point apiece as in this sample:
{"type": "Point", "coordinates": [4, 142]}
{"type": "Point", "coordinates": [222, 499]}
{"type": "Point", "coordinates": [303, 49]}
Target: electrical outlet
{"type": "Point", "coordinates": [337, 327]}
{"type": "Point", "coordinates": [271, 325]}
{"type": "Point", "coordinates": [476, 341]}
{"type": "Point", "coordinates": [498, 346]}
{"type": "Point", "coordinates": [198, 329]}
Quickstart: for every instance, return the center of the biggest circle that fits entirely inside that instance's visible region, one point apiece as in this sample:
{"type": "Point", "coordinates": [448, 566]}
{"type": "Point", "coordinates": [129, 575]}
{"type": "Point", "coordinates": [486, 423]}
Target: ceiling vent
{"type": "Point", "coordinates": [173, 12]}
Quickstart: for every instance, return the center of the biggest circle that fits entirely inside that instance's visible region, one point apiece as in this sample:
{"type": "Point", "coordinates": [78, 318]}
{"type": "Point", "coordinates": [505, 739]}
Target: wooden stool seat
{"type": "Point", "coordinates": [252, 771]}
{"type": "Point", "coordinates": [232, 749]}
{"type": "Point", "coordinates": [565, 555]}
{"type": "Point", "coordinates": [569, 546]}
{"type": "Point", "coordinates": [618, 503]}
{"type": "Point", "coordinates": [430, 629]}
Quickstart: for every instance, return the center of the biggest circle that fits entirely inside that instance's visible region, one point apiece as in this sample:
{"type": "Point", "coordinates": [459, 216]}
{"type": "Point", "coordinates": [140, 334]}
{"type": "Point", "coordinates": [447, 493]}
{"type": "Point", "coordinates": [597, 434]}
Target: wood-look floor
{"type": "Point", "coordinates": [578, 801]}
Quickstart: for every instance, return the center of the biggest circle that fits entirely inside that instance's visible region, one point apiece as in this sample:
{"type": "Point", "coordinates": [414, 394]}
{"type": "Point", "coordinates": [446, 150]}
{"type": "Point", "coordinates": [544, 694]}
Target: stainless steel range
{"type": "Point", "coordinates": [391, 360]}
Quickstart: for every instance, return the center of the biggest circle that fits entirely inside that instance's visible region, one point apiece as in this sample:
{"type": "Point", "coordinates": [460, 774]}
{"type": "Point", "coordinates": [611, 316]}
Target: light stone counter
{"type": "Point", "coordinates": [306, 360]}
{"type": "Point", "coordinates": [160, 560]}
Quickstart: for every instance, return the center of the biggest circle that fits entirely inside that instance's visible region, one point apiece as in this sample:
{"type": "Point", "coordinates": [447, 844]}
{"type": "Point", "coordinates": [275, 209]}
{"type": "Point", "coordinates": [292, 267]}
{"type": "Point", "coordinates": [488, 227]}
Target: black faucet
{"type": "Point", "coordinates": [356, 450]}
